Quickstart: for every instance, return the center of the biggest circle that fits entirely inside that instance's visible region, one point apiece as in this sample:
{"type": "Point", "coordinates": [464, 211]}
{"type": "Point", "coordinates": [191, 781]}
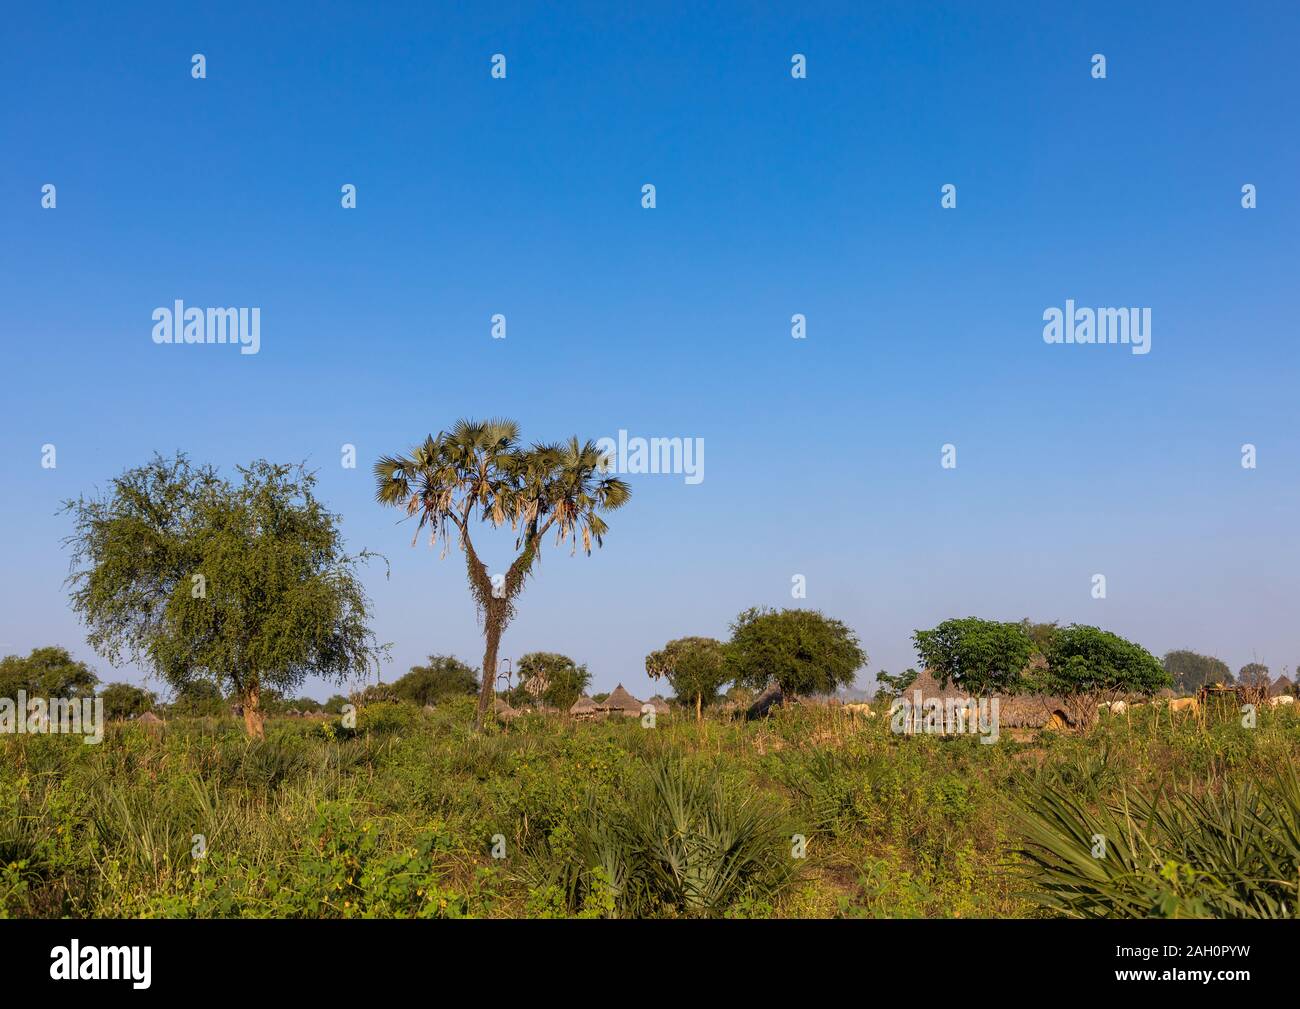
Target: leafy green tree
{"type": "Point", "coordinates": [479, 472]}
{"type": "Point", "coordinates": [243, 583]}
{"type": "Point", "coordinates": [697, 668]}
{"type": "Point", "coordinates": [980, 656]}
{"type": "Point", "coordinates": [803, 651]}
{"type": "Point", "coordinates": [334, 706]}
{"type": "Point", "coordinates": [554, 679]}
{"type": "Point", "coordinates": [1254, 674]}
{"type": "Point", "coordinates": [1191, 671]}
{"type": "Point", "coordinates": [125, 700]}
{"type": "Point", "coordinates": [441, 677]}
{"type": "Point", "coordinates": [1040, 635]}
{"type": "Point", "coordinates": [1086, 665]}
{"type": "Point", "coordinates": [46, 672]}
{"type": "Point", "coordinates": [895, 685]}
{"type": "Point", "coordinates": [203, 698]}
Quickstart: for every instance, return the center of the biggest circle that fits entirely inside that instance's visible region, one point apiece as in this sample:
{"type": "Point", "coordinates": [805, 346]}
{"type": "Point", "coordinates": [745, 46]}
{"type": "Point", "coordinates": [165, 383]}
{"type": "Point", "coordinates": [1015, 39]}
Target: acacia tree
{"type": "Point", "coordinates": [479, 472]}
{"type": "Point", "coordinates": [979, 656]}
{"type": "Point", "coordinates": [696, 667]}
{"type": "Point", "coordinates": [803, 651]}
{"type": "Point", "coordinates": [244, 584]}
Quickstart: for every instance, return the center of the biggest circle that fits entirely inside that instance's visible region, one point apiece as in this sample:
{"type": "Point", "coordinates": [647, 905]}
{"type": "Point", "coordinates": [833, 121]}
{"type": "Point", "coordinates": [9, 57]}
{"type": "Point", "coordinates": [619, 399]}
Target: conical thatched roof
{"type": "Point", "coordinates": [621, 700]}
{"type": "Point", "coordinates": [929, 686]}
{"type": "Point", "coordinates": [584, 705]}
{"type": "Point", "coordinates": [660, 705]}
{"type": "Point", "coordinates": [149, 718]}
{"type": "Point", "coordinates": [1282, 685]}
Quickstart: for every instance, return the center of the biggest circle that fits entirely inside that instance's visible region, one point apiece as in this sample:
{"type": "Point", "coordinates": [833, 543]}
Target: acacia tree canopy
{"type": "Point", "coordinates": [697, 668]}
{"type": "Point", "coordinates": [803, 651]}
{"type": "Point", "coordinates": [243, 583]}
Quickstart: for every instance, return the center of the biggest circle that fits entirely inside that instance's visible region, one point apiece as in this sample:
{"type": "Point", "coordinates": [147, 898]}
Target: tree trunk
{"type": "Point", "coordinates": [699, 707]}
{"type": "Point", "coordinates": [496, 609]}
{"type": "Point", "coordinates": [493, 625]}
{"type": "Point", "coordinates": [254, 723]}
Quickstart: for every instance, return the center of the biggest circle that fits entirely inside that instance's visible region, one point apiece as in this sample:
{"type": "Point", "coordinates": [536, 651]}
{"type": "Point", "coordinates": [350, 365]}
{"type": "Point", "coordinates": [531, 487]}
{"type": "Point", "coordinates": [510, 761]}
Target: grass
{"type": "Point", "coordinates": [411, 814]}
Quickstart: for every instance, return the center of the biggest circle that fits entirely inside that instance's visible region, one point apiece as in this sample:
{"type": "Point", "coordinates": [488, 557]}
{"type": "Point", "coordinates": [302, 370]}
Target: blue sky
{"type": "Point", "coordinates": [775, 196]}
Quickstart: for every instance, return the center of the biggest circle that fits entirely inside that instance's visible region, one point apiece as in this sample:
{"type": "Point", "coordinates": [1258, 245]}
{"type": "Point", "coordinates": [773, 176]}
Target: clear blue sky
{"type": "Point", "coordinates": [775, 196]}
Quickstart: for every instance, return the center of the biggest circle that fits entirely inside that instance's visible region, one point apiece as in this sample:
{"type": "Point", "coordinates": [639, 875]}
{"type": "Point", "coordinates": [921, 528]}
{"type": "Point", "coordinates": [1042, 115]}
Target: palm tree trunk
{"type": "Point", "coordinates": [493, 625]}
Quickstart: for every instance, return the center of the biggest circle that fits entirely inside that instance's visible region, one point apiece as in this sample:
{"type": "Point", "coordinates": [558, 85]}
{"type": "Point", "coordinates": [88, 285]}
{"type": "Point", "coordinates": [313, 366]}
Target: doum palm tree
{"type": "Point", "coordinates": [479, 472]}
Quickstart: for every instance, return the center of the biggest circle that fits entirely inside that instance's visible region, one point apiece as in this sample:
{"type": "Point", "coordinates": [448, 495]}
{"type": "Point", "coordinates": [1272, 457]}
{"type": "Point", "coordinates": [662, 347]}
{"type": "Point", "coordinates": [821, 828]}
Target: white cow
{"type": "Point", "coordinates": [1281, 699]}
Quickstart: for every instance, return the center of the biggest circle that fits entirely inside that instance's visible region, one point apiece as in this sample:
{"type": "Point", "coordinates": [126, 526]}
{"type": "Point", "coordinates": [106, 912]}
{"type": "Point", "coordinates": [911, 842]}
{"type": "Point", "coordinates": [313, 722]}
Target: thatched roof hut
{"type": "Point", "coordinates": [149, 718]}
{"type": "Point", "coordinates": [1024, 711]}
{"type": "Point", "coordinates": [584, 708]}
{"type": "Point", "coordinates": [765, 702]}
{"type": "Point", "coordinates": [1282, 685]}
{"type": "Point", "coordinates": [659, 704]}
{"type": "Point", "coordinates": [503, 710]}
{"type": "Point", "coordinates": [620, 702]}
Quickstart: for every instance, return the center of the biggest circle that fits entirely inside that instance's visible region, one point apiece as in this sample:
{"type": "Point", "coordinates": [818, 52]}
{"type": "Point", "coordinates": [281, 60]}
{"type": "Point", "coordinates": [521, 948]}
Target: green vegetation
{"type": "Point", "coordinates": [481, 472]}
{"type": "Point", "coordinates": [556, 680]}
{"type": "Point", "coordinates": [46, 672]}
{"type": "Point", "coordinates": [801, 651]}
{"type": "Point", "coordinates": [240, 584]}
{"type": "Point", "coordinates": [1191, 671]}
{"type": "Point", "coordinates": [979, 656]}
{"type": "Point", "coordinates": [695, 667]}
{"type": "Point", "coordinates": [442, 677]}
{"type": "Point", "coordinates": [401, 816]}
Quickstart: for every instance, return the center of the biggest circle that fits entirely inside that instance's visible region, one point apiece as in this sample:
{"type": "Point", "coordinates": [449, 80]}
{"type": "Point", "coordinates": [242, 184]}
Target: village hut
{"type": "Point", "coordinates": [659, 704]}
{"type": "Point", "coordinates": [1281, 687]}
{"type": "Point", "coordinates": [503, 710]}
{"type": "Point", "coordinates": [584, 709]}
{"type": "Point", "coordinates": [1025, 711]}
{"type": "Point", "coordinates": [620, 702]}
{"type": "Point", "coordinates": [764, 703]}
{"type": "Point", "coordinates": [149, 719]}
